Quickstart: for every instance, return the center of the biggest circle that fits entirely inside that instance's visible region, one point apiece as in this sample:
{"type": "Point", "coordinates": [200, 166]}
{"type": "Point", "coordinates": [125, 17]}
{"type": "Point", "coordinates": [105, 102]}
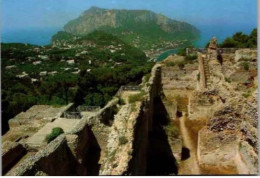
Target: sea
{"type": "Point", "coordinates": [42, 36]}
{"type": "Point", "coordinates": [207, 32]}
{"type": "Point", "coordinates": [36, 36]}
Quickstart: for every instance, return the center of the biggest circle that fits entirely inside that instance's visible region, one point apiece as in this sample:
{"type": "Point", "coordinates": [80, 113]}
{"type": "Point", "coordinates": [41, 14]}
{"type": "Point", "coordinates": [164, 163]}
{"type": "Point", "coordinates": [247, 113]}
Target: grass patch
{"type": "Point", "coordinates": [246, 66]}
{"type": "Point", "coordinates": [172, 130]}
{"type": "Point", "coordinates": [133, 107]}
{"type": "Point", "coordinates": [227, 79]}
{"type": "Point", "coordinates": [246, 95]}
{"type": "Point", "coordinates": [54, 134]}
{"type": "Point", "coordinates": [191, 57]}
{"type": "Point", "coordinates": [147, 77]}
{"type": "Point", "coordinates": [122, 140]}
{"type": "Point", "coordinates": [170, 64]}
{"type": "Point", "coordinates": [244, 59]}
{"type": "Point", "coordinates": [121, 101]}
{"type": "Point", "coordinates": [198, 76]}
{"type": "Point", "coordinates": [136, 97]}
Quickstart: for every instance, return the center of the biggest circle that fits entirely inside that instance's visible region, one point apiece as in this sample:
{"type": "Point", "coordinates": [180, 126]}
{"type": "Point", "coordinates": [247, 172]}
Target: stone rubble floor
{"type": "Point", "coordinates": [38, 138]}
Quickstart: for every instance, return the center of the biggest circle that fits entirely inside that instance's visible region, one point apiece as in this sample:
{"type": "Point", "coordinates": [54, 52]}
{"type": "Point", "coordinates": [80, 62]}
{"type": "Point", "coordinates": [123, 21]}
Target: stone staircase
{"type": "Point", "coordinates": [206, 71]}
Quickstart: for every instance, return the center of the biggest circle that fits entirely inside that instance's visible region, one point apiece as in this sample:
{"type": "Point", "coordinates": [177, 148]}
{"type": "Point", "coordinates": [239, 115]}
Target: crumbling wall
{"type": "Point", "coordinates": [245, 54]}
{"type": "Point", "coordinates": [228, 144]}
{"type": "Point", "coordinates": [79, 141]}
{"type": "Point", "coordinates": [249, 158]}
{"type": "Point", "coordinates": [11, 154]}
{"type": "Point", "coordinates": [153, 88]}
{"type": "Point", "coordinates": [100, 123]}
{"type": "Point", "coordinates": [144, 123]}
{"type": "Point", "coordinates": [120, 142]}
{"type": "Point", "coordinates": [132, 123]}
{"type": "Point", "coordinates": [55, 159]}
{"type": "Point", "coordinates": [202, 78]}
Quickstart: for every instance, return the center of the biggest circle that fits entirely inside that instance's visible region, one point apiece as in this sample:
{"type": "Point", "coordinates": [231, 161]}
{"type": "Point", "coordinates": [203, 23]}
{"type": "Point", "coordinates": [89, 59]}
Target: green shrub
{"type": "Point", "coordinates": [54, 134]}
{"type": "Point", "coordinates": [244, 59]}
{"type": "Point", "coordinates": [136, 97]}
{"type": "Point", "coordinates": [122, 140]}
{"type": "Point", "coordinates": [246, 66]}
{"type": "Point", "coordinates": [182, 52]}
{"type": "Point", "coordinates": [241, 40]}
{"type": "Point", "coordinates": [172, 130]}
{"type": "Point", "coordinates": [191, 57]}
{"type": "Point", "coordinates": [133, 107]}
{"type": "Point", "coordinates": [227, 79]}
{"type": "Point", "coordinates": [147, 77]}
{"type": "Point", "coordinates": [246, 95]}
{"type": "Point", "coordinates": [170, 64]}
{"type": "Point", "coordinates": [198, 76]}
{"type": "Point", "coordinates": [121, 101]}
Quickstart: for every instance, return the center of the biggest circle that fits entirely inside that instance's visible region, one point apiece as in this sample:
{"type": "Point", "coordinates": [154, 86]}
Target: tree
{"type": "Point", "coordinates": [241, 40]}
{"type": "Point", "coordinates": [229, 43]}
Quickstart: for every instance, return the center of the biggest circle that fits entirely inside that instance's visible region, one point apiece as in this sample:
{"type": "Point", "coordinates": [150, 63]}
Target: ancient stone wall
{"type": "Point", "coordinates": [100, 123]}
{"type": "Point", "coordinates": [144, 123]}
{"type": "Point", "coordinates": [245, 54]}
{"type": "Point", "coordinates": [202, 78]}
{"type": "Point", "coordinates": [55, 159]}
{"type": "Point", "coordinates": [66, 155]}
{"type": "Point", "coordinates": [11, 154]}
{"type": "Point", "coordinates": [132, 123]}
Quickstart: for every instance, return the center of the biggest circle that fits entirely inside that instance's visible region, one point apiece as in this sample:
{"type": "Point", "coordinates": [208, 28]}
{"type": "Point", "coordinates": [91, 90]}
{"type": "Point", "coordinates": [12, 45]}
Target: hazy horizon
{"type": "Point", "coordinates": [213, 18]}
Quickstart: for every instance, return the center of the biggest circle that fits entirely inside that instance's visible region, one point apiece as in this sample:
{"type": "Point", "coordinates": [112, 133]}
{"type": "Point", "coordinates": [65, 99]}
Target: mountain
{"type": "Point", "coordinates": [141, 28]}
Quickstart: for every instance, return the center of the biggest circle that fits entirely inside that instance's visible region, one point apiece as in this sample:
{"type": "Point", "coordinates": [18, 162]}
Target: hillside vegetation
{"type": "Point", "coordinates": [141, 28]}
{"type": "Point", "coordinates": [88, 70]}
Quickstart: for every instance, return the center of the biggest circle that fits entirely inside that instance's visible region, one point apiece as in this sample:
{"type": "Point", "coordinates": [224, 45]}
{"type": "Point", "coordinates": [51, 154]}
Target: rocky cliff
{"type": "Point", "coordinates": [134, 26]}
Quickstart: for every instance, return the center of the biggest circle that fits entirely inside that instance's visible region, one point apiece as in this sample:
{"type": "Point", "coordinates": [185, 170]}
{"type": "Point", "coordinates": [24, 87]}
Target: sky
{"type": "Point", "coordinates": [209, 16]}
{"type": "Point", "coordinates": [55, 13]}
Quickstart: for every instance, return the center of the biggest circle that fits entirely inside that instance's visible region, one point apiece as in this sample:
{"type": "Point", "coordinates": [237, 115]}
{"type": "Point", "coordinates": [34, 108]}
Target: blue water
{"type": "Point", "coordinates": [37, 36]}
{"type": "Point", "coordinates": [219, 31]}
{"type": "Point", "coordinates": [209, 31]}
{"type": "Point", "coordinates": [165, 54]}
{"type": "Point", "coordinates": [42, 36]}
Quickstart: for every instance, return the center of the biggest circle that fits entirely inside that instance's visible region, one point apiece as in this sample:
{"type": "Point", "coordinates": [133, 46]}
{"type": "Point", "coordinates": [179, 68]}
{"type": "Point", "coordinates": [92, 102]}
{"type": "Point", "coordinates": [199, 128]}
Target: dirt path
{"type": "Point", "coordinates": [189, 166]}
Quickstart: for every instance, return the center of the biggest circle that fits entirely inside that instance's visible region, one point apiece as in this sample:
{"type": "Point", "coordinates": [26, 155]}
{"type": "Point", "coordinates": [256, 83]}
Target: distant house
{"type": "Point", "coordinates": [66, 69]}
{"type": "Point", "coordinates": [76, 72]}
{"type": "Point", "coordinates": [70, 62]}
{"type": "Point", "coordinates": [84, 52]}
{"type": "Point", "coordinates": [23, 75]}
{"type": "Point", "coordinates": [43, 57]}
{"type": "Point", "coordinates": [34, 80]}
{"type": "Point", "coordinates": [10, 67]}
{"type": "Point", "coordinates": [112, 50]}
{"type": "Point", "coordinates": [43, 73]}
{"type": "Point", "coordinates": [37, 62]}
{"type": "Point", "coordinates": [30, 58]}
{"type": "Point", "coordinates": [52, 73]}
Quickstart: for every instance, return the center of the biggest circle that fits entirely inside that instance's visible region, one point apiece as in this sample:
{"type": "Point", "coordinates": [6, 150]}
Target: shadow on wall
{"type": "Point", "coordinates": [160, 159]}
{"type": "Point", "coordinates": [93, 156]}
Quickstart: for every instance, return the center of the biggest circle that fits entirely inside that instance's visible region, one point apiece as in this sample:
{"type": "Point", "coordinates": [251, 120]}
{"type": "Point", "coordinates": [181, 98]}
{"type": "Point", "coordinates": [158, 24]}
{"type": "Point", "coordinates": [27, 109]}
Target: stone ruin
{"type": "Point", "coordinates": [213, 44]}
{"type": "Point", "coordinates": [214, 127]}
